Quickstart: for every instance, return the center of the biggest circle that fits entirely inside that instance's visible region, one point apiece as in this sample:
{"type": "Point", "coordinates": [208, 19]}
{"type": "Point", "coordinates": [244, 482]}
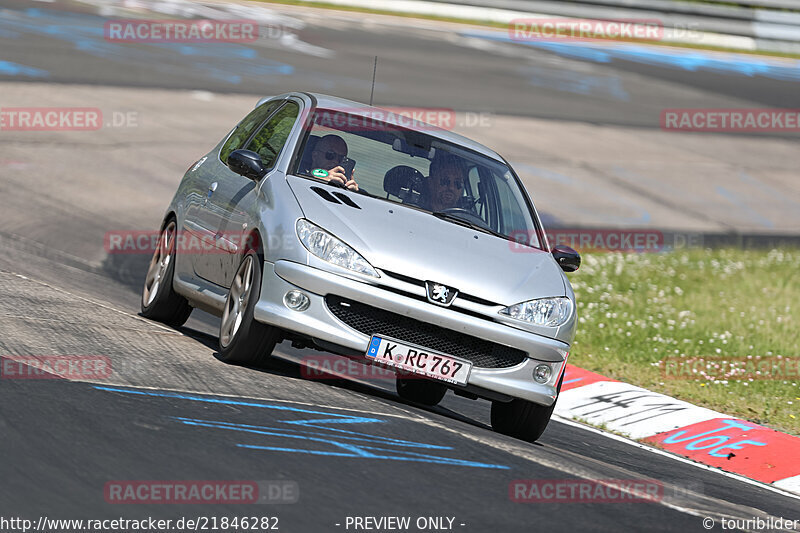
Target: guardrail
{"type": "Point", "coordinates": [764, 26]}
{"type": "Point", "coordinates": [774, 4]}
{"type": "Point", "coordinates": [764, 23]}
{"type": "Point", "coordinates": [709, 7]}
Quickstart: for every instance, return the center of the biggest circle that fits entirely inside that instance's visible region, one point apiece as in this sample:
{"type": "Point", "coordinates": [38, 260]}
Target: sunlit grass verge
{"type": "Point", "coordinates": [636, 310]}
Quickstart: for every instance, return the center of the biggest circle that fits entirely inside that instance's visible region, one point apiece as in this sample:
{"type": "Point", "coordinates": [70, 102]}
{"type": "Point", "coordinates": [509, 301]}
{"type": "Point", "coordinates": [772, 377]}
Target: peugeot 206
{"type": "Point", "coordinates": [350, 229]}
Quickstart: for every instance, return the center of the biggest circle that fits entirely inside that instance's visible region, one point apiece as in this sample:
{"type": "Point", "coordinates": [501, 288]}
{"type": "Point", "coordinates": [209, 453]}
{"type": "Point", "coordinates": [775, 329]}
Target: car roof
{"type": "Point", "coordinates": [357, 108]}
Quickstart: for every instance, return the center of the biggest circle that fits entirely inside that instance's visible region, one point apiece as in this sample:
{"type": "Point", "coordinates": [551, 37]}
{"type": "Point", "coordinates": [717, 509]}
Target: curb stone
{"type": "Point", "coordinates": [703, 435]}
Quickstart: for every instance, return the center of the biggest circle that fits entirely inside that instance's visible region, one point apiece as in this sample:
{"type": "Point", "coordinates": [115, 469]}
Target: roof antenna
{"type": "Point", "coordinates": [374, 70]}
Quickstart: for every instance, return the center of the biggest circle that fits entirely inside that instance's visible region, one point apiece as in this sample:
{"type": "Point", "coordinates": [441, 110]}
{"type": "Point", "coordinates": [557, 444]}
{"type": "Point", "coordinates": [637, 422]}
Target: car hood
{"type": "Point", "coordinates": [417, 244]}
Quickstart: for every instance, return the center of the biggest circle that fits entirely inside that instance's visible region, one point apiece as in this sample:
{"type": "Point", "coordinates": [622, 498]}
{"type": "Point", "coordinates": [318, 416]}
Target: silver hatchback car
{"type": "Point", "coordinates": [356, 231]}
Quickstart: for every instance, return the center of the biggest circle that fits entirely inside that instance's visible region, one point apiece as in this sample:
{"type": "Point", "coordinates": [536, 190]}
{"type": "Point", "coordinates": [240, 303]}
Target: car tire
{"type": "Point", "coordinates": [420, 390]}
{"type": "Point", "coordinates": [522, 419]}
{"type": "Point", "coordinates": [159, 300]}
{"type": "Point", "coordinates": [242, 339]}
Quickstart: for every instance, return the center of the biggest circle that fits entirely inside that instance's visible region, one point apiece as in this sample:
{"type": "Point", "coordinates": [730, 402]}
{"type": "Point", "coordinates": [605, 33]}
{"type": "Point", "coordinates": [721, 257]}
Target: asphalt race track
{"type": "Point", "coordinates": [169, 410]}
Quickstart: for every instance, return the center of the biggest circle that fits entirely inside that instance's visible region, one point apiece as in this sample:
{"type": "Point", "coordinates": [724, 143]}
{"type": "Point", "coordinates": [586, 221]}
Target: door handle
{"type": "Point", "coordinates": [211, 189]}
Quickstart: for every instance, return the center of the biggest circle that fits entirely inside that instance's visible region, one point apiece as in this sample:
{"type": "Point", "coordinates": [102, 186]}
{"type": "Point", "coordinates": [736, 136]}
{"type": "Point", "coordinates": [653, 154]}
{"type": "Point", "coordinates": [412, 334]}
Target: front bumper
{"type": "Point", "coordinates": [318, 322]}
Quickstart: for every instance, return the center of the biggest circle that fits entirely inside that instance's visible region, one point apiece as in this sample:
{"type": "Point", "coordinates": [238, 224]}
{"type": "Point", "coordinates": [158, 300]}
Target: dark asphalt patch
{"type": "Point", "coordinates": [67, 440]}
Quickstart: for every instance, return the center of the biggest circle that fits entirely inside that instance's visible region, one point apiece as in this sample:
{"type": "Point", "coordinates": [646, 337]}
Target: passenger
{"type": "Point", "coordinates": [327, 155]}
{"type": "Point", "coordinates": [445, 185]}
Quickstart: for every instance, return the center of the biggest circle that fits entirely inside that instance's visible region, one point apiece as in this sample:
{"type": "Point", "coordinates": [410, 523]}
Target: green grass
{"type": "Point", "coordinates": [636, 310]}
{"type": "Point", "coordinates": [503, 26]}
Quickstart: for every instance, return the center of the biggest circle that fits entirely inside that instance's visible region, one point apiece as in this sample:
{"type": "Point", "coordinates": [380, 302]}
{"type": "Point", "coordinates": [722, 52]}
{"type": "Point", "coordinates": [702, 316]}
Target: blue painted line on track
{"type": "Point", "coordinates": [227, 401]}
{"type": "Point", "coordinates": [544, 173]}
{"type": "Point", "coordinates": [586, 85]}
{"type": "Point", "coordinates": [775, 194]}
{"type": "Point", "coordinates": [346, 435]}
{"type": "Point", "coordinates": [7, 68]}
{"type": "Point", "coordinates": [421, 458]}
{"type": "Point", "coordinates": [228, 62]}
{"type": "Point", "coordinates": [682, 59]}
{"type": "Point", "coordinates": [643, 214]}
{"type": "Point", "coordinates": [746, 209]}
{"type": "Point", "coordinates": [345, 443]}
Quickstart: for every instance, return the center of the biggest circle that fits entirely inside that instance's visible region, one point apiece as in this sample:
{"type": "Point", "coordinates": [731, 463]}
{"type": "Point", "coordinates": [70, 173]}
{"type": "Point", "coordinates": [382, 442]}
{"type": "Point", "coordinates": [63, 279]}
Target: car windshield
{"type": "Point", "coordinates": [421, 171]}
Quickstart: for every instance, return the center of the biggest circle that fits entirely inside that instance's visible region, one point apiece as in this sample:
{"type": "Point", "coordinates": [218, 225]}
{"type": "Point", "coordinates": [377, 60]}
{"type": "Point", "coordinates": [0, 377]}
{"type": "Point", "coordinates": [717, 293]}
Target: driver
{"type": "Point", "coordinates": [327, 155]}
{"type": "Point", "coordinates": [445, 183]}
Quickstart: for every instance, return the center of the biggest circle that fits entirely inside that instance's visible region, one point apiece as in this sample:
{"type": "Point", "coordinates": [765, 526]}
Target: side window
{"type": "Point", "coordinates": [511, 213]}
{"type": "Point", "coordinates": [478, 192]}
{"type": "Point", "coordinates": [269, 141]}
{"type": "Point", "coordinates": [246, 128]}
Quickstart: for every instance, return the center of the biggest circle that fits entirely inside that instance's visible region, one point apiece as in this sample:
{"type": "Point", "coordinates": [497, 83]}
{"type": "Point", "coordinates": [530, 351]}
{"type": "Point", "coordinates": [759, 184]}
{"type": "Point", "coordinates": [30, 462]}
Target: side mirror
{"type": "Point", "coordinates": [568, 259]}
{"type": "Point", "coordinates": [247, 164]}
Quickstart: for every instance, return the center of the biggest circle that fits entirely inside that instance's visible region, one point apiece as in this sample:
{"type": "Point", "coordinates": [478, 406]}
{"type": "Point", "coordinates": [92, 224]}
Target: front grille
{"type": "Point", "coordinates": [420, 283]}
{"type": "Point", "coordinates": [425, 299]}
{"type": "Point", "coordinates": [401, 277]}
{"type": "Point", "coordinates": [373, 321]}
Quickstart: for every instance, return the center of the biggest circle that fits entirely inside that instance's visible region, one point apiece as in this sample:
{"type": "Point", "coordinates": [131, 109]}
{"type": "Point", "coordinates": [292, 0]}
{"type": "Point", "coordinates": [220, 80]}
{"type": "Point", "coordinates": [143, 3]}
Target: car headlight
{"type": "Point", "coordinates": [328, 248]}
{"type": "Point", "coordinates": [550, 312]}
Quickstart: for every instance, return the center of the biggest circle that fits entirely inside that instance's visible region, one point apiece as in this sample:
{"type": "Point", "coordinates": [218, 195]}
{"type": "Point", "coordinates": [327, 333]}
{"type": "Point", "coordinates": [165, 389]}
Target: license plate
{"type": "Point", "coordinates": [418, 360]}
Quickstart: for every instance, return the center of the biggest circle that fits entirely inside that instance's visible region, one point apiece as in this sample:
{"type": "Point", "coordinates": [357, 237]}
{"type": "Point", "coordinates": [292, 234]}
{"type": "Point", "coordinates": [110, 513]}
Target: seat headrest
{"type": "Point", "coordinates": [401, 180]}
{"type": "Point", "coordinates": [305, 163]}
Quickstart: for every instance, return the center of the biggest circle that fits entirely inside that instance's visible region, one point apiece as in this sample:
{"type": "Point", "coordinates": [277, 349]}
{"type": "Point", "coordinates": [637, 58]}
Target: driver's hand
{"type": "Point", "coordinates": [337, 174]}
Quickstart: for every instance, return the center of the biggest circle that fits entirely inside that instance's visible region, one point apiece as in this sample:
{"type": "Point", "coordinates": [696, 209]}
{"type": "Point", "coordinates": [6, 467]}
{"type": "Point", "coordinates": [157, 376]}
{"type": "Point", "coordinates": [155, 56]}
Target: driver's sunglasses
{"type": "Point", "coordinates": [330, 155]}
{"type": "Point", "coordinates": [445, 182]}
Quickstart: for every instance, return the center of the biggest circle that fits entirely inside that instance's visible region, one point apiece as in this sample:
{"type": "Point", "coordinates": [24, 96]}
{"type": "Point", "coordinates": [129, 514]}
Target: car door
{"type": "Point", "coordinates": [199, 230]}
{"type": "Point", "coordinates": [231, 210]}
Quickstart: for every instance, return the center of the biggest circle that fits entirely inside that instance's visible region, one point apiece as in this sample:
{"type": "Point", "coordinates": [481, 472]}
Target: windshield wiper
{"type": "Point", "coordinates": [466, 223]}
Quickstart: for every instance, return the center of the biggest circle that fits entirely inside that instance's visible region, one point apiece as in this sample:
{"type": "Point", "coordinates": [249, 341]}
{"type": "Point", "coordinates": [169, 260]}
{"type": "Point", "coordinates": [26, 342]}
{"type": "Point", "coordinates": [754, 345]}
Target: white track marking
{"type": "Point", "coordinates": [678, 458]}
{"type": "Point", "coordinates": [790, 483]}
{"type": "Point", "coordinates": [629, 409]}
{"type": "Point", "coordinates": [690, 502]}
{"type": "Point", "coordinates": [94, 302]}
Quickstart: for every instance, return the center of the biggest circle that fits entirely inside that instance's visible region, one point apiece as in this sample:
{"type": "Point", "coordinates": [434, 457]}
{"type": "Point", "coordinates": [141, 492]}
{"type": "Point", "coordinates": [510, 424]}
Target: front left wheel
{"type": "Point", "coordinates": [159, 300]}
{"type": "Point", "coordinates": [242, 339]}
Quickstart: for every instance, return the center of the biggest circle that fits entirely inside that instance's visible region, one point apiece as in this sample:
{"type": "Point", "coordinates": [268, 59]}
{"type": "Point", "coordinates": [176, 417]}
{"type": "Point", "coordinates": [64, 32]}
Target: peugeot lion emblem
{"type": "Point", "coordinates": [440, 294]}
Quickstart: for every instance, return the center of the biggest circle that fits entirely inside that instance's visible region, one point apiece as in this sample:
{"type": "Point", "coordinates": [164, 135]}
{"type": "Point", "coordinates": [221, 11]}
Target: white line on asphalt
{"type": "Point", "coordinates": [94, 302]}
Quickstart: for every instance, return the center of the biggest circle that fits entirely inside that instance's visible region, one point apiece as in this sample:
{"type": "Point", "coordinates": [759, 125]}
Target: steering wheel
{"type": "Point", "coordinates": [466, 214]}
